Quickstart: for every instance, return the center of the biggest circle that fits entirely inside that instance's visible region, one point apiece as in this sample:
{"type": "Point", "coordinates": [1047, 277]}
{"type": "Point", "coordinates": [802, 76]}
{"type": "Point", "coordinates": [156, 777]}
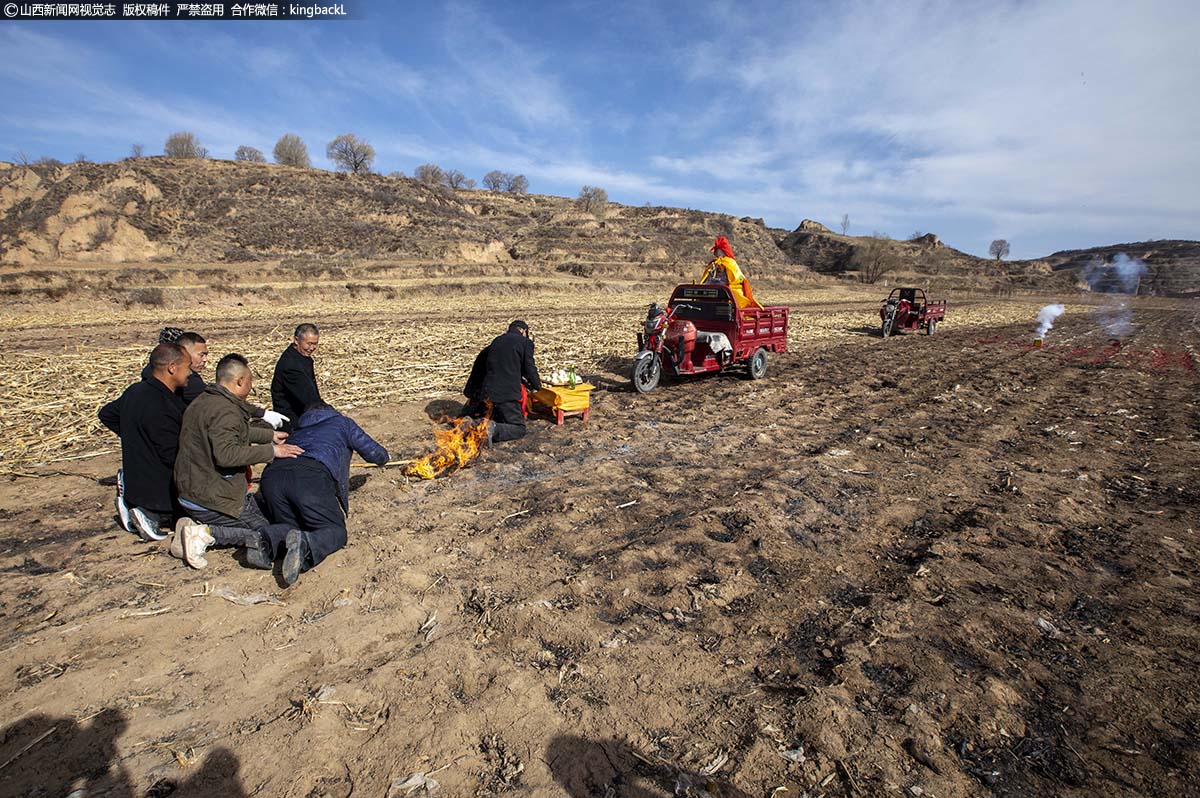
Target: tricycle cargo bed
{"type": "Point", "coordinates": [762, 327]}
{"type": "Point", "coordinates": [713, 309]}
{"type": "Point", "coordinates": [936, 309]}
{"type": "Point", "coordinates": [703, 330]}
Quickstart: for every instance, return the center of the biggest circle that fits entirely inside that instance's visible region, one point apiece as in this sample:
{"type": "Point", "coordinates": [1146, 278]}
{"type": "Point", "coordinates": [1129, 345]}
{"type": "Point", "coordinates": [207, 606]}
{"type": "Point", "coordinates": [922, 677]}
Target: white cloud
{"type": "Point", "coordinates": [1028, 113]}
{"type": "Point", "coordinates": [498, 71]}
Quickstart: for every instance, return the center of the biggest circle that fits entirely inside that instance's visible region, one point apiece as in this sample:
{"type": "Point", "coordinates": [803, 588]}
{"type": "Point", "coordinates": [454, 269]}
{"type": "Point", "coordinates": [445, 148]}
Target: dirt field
{"type": "Point", "coordinates": [947, 566]}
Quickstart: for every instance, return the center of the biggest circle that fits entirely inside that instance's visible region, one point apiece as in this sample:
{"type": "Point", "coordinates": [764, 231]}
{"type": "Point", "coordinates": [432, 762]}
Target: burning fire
{"type": "Point", "coordinates": [456, 447]}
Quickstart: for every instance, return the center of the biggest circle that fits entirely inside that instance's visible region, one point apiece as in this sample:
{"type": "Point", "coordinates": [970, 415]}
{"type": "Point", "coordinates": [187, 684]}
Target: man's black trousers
{"type": "Point", "coordinates": [510, 421]}
{"type": "Point", "coordinates": [300, 494]}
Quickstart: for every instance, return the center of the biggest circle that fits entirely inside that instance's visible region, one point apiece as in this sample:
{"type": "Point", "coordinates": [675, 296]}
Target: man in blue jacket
{"type": "Point", "coordinates": [311, 493]}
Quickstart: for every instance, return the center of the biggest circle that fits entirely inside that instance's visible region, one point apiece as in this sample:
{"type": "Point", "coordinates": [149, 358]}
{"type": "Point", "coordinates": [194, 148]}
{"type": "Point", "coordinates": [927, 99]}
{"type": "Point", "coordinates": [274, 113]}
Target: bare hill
{"type": "Point", "coordinates": [925, 260]}
{"type": "Point", "coordinates": [208, 211]}
{"type": "Point", "coordinates": [161, 209]}
{"type": "Point", "coordinates": [1172, 267]}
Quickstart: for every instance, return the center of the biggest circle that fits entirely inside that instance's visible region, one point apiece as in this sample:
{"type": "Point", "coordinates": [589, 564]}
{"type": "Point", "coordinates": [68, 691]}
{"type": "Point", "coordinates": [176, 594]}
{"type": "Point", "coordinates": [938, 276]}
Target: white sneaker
{"type": "Point", "coordinates": [146, 526]}
{"type": "Point", "coordinates": [176, 545]}
{"type": "Point", "coordinates": [119, 502]}
{"type": "Point", "coordinates": [196, 540]}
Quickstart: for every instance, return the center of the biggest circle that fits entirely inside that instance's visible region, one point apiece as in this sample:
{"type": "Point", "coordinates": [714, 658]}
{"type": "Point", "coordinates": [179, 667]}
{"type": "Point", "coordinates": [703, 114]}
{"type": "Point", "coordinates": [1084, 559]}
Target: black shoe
{"type": "Point", "coordinates": [258, 551]}
{"type": "Point", "coordinates": [295, 557]}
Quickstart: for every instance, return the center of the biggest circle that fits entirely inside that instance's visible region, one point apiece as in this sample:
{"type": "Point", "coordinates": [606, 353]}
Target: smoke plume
{"type": "Point", "coordinates": [1116, 280]}
{"type": "Point", "coordinates": [1122, 276]}
{"type": "Point", "coordinates": [1046, 317]}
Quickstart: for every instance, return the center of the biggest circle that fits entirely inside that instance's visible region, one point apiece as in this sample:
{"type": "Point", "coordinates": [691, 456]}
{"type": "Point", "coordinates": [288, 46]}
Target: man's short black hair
{"type": "Point", "coordinates": [164, 355]}
{"type": "Point", "coordinates": [319, 406]}
{"type": "Point", "coordinates": [190, 339]}
{"type": "Point", "coordinates": [519, 326]}
{"type": "Point", "coordinates": [307, 328]}
{"type": "Point", "coordinates": [230, 366]}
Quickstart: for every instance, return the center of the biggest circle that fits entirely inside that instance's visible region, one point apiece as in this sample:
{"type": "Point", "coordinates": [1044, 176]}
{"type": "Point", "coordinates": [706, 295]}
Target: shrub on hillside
{"type": "Point", "coordinates": [516, 184]}
{"type": "Point", "coordinates": [249, 154]}
{"type": "Point", "coordinates": [494, 180]}
{"type": "Point", "coordinates": [592, 199]}
{"type": "Point", "coordinates": [429, 174]}
{"type": "Point", "coordinates": [290, 151]}
{"type": "Point", "coordinates": [456, 179]}
{"type": "Point", "coordinates": [184, 145]}
{"type": "Point", "coordinates": [349, 153]}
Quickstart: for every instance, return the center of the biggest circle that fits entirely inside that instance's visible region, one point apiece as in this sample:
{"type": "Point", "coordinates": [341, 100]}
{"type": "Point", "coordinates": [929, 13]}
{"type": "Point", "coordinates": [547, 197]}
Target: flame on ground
{"type": "Point", "coordinates": [456, 447]}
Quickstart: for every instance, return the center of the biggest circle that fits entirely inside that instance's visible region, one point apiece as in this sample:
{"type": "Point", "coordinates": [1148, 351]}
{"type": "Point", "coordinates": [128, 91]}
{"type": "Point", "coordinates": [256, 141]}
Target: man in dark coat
{"type": "Point", "coordinates": [217, 440]}
{"type": "Point", "coordinates": [311, 493]}
{"type": "Point", "coordinates": [496, 379]}
{"type": "Point", "coordinates": [197, 349]}
{"type": "Point", "coordinates": [147, 418]}
{"type": "Point", "coordinates": [294, 386]}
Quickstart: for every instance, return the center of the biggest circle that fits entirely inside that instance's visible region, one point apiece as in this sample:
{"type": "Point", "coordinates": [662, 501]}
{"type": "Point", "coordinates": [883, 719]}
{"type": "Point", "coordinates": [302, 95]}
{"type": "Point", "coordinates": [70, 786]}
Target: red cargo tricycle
{"type": "Point", "coordinates": [702, 330]}
{"type": "Point", "coordinates": [909, 309]}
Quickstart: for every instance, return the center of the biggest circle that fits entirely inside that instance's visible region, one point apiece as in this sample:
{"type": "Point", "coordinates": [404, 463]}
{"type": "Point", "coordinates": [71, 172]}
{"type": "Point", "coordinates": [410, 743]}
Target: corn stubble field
{"type": "Point", "coordinates": [947, 566]}
{"type": "Point", "coordinates": [396, 341]}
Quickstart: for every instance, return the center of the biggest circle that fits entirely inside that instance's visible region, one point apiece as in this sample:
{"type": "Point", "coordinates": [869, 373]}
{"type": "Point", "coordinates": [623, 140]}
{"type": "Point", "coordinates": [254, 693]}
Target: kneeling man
{"type": "Point", "coordinates": [216, 442]}
{"type": "Point", "coordinates": [147, 418]}
{"type": "Point", "coordinates": [308, 496]}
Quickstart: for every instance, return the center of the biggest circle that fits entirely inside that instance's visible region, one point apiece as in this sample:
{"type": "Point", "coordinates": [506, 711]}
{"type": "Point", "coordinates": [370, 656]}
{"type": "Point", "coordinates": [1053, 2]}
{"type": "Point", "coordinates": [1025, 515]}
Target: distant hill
{"type": "Point", "coordinates": [1172, 268]}
{"type": "Point", "coordinates": [208, 211]}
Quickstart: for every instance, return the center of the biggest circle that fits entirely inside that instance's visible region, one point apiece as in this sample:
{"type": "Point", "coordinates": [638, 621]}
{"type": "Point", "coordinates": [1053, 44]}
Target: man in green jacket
{"type": "Point", "coordinates": [217, 441]}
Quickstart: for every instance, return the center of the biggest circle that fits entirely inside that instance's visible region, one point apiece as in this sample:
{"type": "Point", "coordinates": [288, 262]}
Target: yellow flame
{"type": "Point", "coordinates": [456, 447]}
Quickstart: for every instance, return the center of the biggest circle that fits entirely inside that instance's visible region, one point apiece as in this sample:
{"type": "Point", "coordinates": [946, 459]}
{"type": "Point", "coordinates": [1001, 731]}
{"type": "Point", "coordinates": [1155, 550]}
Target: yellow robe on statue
{"type": "Point", "coordinates": [724, 270]}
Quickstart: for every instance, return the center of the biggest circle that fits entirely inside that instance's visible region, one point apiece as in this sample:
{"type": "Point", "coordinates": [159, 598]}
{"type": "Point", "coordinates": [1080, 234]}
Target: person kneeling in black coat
{"type": "Point", "coordinates": [496, 379]}
{"type": "Point", "coordinates": [147, 417]}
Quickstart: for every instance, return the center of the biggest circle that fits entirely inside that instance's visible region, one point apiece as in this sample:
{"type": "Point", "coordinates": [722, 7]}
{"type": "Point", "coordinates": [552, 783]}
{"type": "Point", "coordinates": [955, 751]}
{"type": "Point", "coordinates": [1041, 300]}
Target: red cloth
{"type": "Point", "coordinates": [525, 401]}
{"type": "Point", "coordinates": [722, 245]}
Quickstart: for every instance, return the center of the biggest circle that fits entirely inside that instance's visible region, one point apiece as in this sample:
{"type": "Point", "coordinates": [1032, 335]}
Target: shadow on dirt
{"type": "Point", "coordinates": [585, 768]}
{"type": "Point", "coordinates": [440, 409]}
{"type": "Point", "coordinates": [611, 384]}
{"type": "Point", "coordinates": [45, 755]}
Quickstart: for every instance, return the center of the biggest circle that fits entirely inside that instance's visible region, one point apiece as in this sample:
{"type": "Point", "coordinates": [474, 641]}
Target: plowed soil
{"type": "Point", "coordinates": [953, 565]}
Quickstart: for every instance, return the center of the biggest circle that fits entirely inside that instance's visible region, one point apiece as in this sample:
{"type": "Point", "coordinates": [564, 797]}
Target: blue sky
{"type": "Point", "coordinates": [1051, 124]}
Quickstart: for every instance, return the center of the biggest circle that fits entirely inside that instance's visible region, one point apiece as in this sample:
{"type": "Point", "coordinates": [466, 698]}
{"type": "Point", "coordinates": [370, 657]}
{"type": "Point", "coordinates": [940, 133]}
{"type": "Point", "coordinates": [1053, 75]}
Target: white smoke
{"type": "Point", "coordinates": [1122, 276]}
{"type": "Point", "coordinates": [1116, 317]}
{"type": "Point", "coordinates": [1116, 280]}
{"type": "Point", "coordinates": [1046, 317]}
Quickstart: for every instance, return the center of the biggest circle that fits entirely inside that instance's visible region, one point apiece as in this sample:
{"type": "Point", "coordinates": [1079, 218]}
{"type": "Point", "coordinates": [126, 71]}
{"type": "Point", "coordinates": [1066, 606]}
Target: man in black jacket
{"type": "Point", "coordinates": [496, 379]}
{"type": "Point", "coordinates": [196, 348]}
{"type": "Point", "coordinates": [147, 417]}
{"type": "Point", "coordinates": [294, 386]}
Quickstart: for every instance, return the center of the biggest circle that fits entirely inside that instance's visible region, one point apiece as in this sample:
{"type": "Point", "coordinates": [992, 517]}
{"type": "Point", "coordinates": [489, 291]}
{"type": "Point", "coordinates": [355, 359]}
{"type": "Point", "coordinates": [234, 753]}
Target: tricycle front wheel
{"type": "Point", "coordinates": [758, 364]}
{"type": "Point", "coordinates": [646, 373]}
